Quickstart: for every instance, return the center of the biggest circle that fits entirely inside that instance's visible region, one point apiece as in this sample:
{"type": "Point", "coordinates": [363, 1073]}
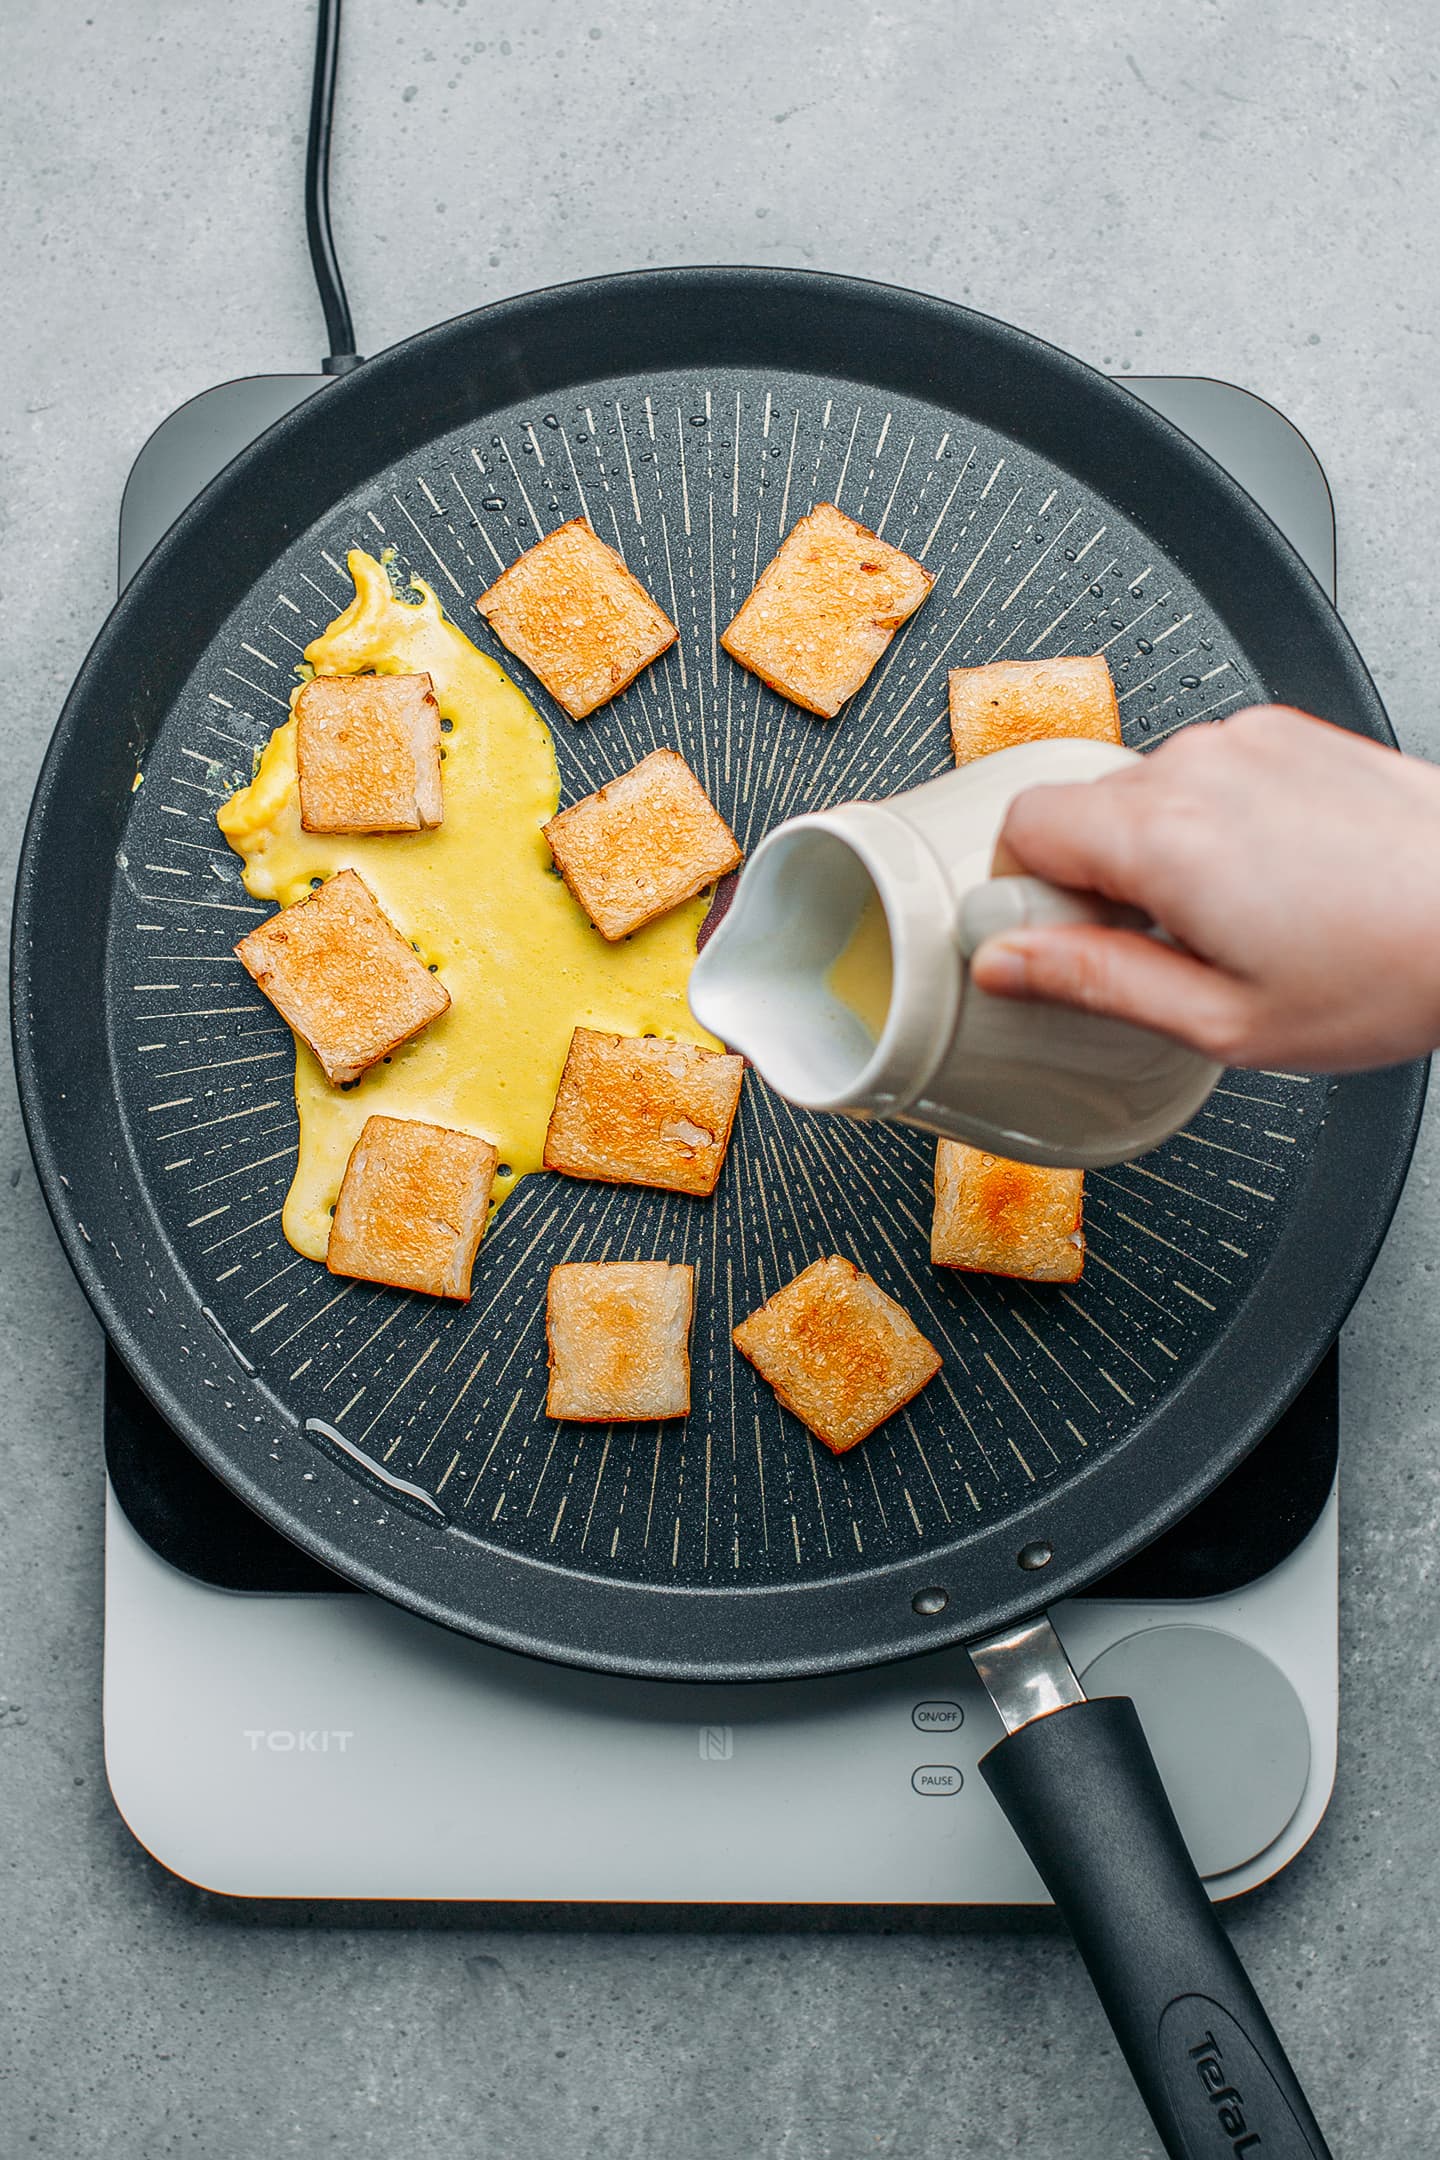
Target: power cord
{"type": "Point", "coordinates": [339, 329]}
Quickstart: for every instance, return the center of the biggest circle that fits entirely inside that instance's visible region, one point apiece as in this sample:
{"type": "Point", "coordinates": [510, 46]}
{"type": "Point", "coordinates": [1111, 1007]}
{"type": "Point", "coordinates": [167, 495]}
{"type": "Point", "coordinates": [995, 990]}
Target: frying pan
{"type": "Point", "coordinates": [693, 415]}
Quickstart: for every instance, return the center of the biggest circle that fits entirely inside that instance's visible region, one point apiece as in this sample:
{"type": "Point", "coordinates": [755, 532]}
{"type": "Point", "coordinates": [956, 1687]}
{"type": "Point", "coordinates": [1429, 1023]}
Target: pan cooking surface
{"type": "Point", "coordinates": [694, 478]}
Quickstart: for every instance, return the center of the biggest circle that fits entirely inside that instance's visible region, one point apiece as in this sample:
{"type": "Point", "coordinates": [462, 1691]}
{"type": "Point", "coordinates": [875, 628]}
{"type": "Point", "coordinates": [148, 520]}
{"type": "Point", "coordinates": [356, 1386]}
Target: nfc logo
{"type": "Point", "coordinates": [717, 1743]}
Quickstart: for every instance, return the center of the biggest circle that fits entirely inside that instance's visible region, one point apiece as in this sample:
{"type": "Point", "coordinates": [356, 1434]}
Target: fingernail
{"type": "Point", "coordinates": [1002, 968]}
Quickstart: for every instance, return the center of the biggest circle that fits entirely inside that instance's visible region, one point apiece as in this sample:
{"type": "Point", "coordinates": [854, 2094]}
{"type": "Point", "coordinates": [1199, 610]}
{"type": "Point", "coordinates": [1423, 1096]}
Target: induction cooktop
{"type": "Point", "coordinates": [270, 1731]}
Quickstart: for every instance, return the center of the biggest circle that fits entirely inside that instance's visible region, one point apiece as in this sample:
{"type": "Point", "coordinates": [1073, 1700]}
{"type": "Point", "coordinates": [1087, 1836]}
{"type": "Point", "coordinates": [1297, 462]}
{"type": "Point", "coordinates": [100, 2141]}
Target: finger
{"type": "Point", "coordinates": [1085, 835]}
{"type": "Point", "coordinates": [1126, 975]}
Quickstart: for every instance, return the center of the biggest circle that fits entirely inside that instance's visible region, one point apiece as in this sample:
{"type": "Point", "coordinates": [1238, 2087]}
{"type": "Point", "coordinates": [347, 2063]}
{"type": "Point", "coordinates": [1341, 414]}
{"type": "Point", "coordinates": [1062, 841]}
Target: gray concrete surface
{"type": "Point", "coordinates": [1240, 187]}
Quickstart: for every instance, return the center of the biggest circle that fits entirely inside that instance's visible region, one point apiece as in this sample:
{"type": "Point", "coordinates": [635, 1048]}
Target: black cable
{"type": "Point", "coordinates": [339, 329]}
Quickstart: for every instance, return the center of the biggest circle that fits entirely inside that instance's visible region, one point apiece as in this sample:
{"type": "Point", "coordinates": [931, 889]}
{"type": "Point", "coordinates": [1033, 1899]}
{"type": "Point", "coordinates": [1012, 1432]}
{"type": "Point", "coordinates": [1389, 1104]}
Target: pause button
{"type": "Point", "coordinates": [936, 1781]}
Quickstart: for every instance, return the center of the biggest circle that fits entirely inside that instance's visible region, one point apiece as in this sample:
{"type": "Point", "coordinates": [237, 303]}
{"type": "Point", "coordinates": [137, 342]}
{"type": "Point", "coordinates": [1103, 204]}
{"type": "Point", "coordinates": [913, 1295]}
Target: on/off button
{"type": "Point", "coordinates": [936, 1780]}
{"type": "Point", "coordinates": [937, 1717]}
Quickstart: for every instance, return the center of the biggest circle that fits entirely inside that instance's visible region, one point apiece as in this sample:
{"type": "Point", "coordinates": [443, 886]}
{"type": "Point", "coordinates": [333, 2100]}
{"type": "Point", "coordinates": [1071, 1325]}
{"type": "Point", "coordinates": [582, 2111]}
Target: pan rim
{"type": "Point", "coordinates": [1389, 1104]}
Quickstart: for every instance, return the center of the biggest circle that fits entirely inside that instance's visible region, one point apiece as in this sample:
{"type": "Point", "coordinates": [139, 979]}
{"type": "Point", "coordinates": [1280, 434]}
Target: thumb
{"type": "Point", "coordinates": [1125, 975]}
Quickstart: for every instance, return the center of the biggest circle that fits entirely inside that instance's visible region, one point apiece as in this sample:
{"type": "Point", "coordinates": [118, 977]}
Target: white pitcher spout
{"type": "Point", "coordinates": [763, 982]}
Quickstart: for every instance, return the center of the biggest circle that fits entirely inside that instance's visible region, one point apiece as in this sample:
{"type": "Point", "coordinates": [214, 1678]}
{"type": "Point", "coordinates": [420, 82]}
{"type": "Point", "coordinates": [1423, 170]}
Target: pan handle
{"type": "Point", "coordinates": [1080, 1788]}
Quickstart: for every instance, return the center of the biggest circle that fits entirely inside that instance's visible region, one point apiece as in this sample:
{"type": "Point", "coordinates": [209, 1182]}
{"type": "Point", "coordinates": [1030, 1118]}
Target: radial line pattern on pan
{"type": "Point", "coordinates": [1034, 1381]}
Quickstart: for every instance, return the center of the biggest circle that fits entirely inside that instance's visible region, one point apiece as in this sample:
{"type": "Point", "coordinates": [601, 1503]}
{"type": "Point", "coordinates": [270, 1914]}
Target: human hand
{"type": "Point", "coordinates": [1297, 868]}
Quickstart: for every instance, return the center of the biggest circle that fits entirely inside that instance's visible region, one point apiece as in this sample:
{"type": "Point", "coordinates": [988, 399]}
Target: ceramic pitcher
{"type": "Point", "coordinates": [1036, 1082]}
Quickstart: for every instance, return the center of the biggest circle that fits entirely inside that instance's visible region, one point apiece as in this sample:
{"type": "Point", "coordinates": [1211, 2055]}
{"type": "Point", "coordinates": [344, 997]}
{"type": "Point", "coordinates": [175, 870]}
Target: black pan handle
{"type": "Point", "coordinates": [1082, 1792]}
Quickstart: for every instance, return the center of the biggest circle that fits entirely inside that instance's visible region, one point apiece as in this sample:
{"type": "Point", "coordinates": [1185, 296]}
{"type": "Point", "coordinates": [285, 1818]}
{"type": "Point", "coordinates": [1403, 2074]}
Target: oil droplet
{"type": "Point", "coordinates": [1144, 645]}
{"type": "Point", "coordinates": [1115, 623]}
{"type": "Point", "coordinates": [1207, 644]}
{"type": "Point", "coordinates": [1144, 723]}
{"type": "Point", "coordinates": [1070, 555]}
{"type": "Point", "coordinates": [492, 502]}
{"type": "Point", "coordinates": [1189, 682]}
{"type": "Point", "coordinates": [697, 419]}
{"type": "Point", "coordinates": [551, 421]}
{"type": "Point", "coordinates": [1097, 592]}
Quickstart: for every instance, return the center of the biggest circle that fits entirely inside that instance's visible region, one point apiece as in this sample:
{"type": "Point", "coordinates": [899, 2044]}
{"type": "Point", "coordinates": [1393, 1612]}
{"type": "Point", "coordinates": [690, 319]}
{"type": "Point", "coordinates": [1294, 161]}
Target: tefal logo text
{"type": "Point", "coordinates": [1229, 2104]}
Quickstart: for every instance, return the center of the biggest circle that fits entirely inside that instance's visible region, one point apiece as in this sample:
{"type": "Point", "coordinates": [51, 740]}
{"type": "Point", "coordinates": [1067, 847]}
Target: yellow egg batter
{"type": "Point", "coordinates": [861, 975]}
{"type": "Point", "coordinates": [478, 898]}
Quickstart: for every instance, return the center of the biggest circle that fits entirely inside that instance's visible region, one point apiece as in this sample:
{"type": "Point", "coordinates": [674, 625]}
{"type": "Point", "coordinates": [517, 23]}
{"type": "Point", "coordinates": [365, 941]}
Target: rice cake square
{"type": "Point", "coordinates": [412, 1207]}
{"type": "Point", "coordinates": [578, 618]}
{"type": "Point", "coordinates": [996, 1217]}
{"type": "Point", "coordinates": [640, 1110]}
{"type": "Point", "coordinates": [367, 752]}
{"type": "Point", "coordinates": [826, 606]}
{"type": "Point", "coordinates": [336, 968]}
{"type": "Point", "coordinates": [641, 845]}
{"type": "Point", "coordinates": [1021, 701]}
{"type": "Point", "coordinates": [619, 1340]}
{"type": "Point", "coordinates": [838, 1351]}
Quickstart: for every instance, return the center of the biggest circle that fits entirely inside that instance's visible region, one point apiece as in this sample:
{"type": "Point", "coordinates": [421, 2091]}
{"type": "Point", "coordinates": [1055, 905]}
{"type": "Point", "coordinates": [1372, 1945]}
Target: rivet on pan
{"type": "Point", "coordinates": [1037, 1555]}
{"type": "Point", "coordinates": [929, 1602]}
